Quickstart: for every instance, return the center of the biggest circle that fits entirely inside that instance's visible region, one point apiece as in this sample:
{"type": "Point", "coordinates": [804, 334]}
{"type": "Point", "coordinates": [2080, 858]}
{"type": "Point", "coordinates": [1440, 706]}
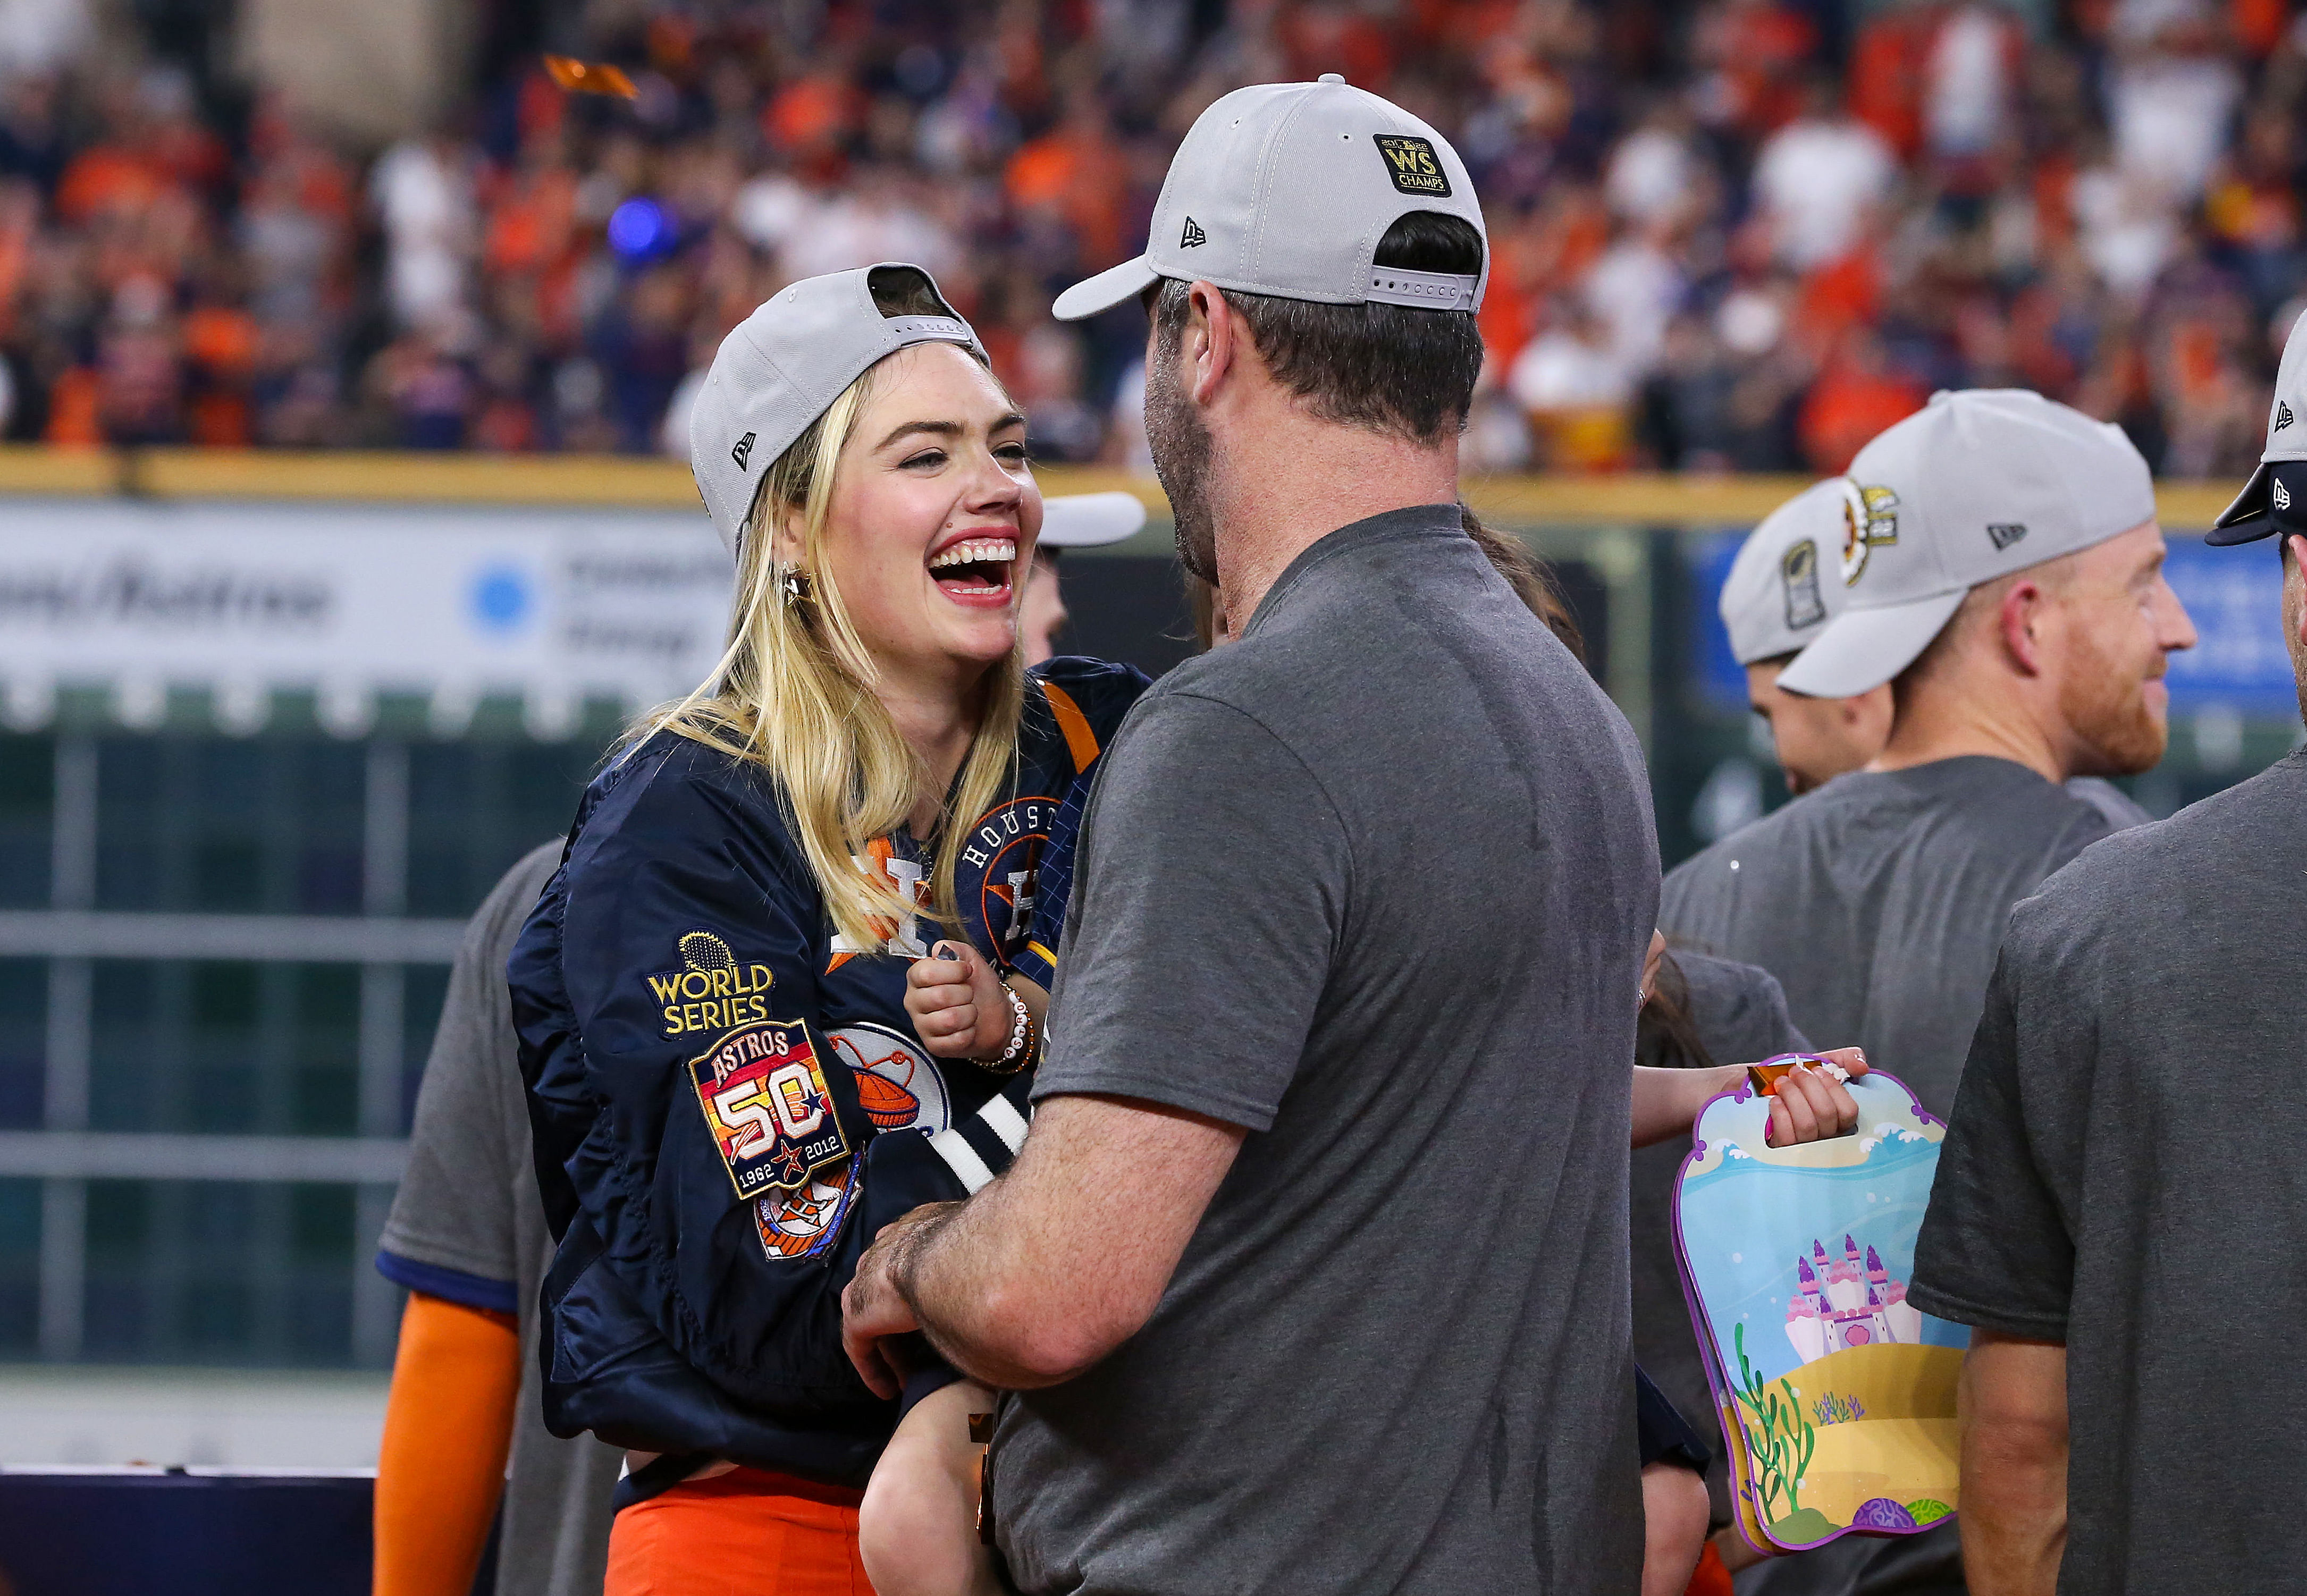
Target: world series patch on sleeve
{"type": "Point", "coordinates": [766, 1102]}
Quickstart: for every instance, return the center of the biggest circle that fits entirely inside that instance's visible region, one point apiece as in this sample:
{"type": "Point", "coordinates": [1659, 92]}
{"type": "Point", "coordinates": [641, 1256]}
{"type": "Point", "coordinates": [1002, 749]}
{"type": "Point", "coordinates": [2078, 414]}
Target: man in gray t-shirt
{"type": "Point", "coordinates": [1417, 1263]}
{"type": "Point", "coordinates": [2117, 1213]}
{"type": "Point", "coordinates": [467, 1227]}
{"type": "Point", "coordinates": [1878, 899]}
{"type": "Point", "coordinates": [2004, 576]}
{"type": "Point", "coordinates": [2118, 1179]}
{"type": "Point", "coordinates": [1312, 1275]}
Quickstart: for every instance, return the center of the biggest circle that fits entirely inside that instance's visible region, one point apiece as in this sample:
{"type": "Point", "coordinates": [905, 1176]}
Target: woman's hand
{"type": "Point", "coordinates": [958, 1003]}
{"type": "Point", "coordinates": [1810, 1105]}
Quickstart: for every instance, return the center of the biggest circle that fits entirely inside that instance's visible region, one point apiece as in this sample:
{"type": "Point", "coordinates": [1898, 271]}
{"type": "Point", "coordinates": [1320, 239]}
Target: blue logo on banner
{"type": "Point", "coordinates": [502, 599]}
{"type": "Point", "coordinates": [2234, 596]}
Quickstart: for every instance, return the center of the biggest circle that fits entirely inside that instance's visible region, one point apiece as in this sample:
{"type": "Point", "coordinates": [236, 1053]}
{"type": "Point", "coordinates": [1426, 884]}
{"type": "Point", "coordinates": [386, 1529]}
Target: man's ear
{"type": "Point", "coordinates": [2020, 622]}
{"type": "Point", "coordinates": [1871, 713]}
{"type": "Point", "coordinates": [2296, 578]}
{"type": "Point", "coordinates": [1214, 340]}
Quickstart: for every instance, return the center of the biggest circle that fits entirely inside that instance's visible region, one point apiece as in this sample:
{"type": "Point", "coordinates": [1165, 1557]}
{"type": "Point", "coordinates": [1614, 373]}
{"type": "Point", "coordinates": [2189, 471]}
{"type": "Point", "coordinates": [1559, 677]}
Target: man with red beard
{"type": "Point", "coordinates": [2004, 575]}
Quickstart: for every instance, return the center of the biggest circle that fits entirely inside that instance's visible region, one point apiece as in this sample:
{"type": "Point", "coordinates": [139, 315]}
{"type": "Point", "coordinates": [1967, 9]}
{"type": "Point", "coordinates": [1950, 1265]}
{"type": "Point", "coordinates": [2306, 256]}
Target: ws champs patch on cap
{"type": "Point", "coordinates": [1413, 166]}
{"type": "Point", "coordinates": [768, 1107]}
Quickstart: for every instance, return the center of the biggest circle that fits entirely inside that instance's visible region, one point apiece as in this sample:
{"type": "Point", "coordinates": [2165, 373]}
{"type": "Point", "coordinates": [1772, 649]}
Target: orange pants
{"type": "Point", "coordinates": [748, 1532]}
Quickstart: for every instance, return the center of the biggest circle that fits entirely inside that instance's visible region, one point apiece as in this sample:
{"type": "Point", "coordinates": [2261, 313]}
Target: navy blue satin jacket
{"type": "Point", "coordinates": [728, 1101]}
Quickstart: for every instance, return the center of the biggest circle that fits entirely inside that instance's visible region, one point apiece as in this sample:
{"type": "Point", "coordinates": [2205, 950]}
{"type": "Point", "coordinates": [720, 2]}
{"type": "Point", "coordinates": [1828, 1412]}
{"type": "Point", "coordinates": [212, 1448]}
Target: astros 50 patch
{"type": "Point", "coordinates": [766, 1102]}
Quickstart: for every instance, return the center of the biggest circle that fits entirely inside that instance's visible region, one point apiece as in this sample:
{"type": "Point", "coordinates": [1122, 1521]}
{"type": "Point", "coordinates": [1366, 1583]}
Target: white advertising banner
{"type": "Point", "coordinates": [350, 601]}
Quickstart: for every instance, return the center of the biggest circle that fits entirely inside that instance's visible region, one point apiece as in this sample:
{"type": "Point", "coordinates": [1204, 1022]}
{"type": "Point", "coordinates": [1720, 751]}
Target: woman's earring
{"type": "Point", "coordinates": [795, 585]}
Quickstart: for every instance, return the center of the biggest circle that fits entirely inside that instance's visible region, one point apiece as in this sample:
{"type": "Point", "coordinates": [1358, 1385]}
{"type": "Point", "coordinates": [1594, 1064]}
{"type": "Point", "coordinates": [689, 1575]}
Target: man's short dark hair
{"type": "Point", "coordinates": [1389, 367]}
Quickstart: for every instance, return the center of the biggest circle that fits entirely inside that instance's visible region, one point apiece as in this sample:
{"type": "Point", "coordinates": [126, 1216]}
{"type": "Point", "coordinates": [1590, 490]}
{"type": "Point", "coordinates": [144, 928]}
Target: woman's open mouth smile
{"type": "Point", "coordinates": [974, 569]}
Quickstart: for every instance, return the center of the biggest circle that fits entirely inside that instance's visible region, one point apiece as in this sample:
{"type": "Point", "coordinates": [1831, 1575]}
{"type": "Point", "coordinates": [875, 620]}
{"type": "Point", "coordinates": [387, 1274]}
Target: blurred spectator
{"type": "Point", "coordinates": [1725, 233]}
{"type": "Point", "coordinates": [422, 191]}
{"type": "Point", "coordinates": [1819, 178]}
{"type": "Point", "coordinates": [1577, 385]}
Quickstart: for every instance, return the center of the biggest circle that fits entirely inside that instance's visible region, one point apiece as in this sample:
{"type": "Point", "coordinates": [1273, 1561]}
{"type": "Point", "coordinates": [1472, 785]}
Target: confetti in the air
{"type": "Point", "coordinates": [589, 77]}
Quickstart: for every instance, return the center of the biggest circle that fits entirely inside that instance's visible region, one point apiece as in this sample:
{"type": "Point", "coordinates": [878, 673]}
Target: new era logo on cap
{"type": "Point", "coordinates": [2003, 534]}
{"type": "Point", "coordinates": [1193, 237]}
{"type": "Point", "coordinates": [1412, 165]}
{"type": "Point", "coordinates": [2278, 495]}
{"type": "Point", "coordinates": [743, 451]}
{"type": "Point", "coordinates": [2283, 417]}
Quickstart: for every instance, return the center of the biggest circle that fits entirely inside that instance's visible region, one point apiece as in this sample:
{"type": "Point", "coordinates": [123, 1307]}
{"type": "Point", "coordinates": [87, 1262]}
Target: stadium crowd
{"type": "Point", "coordinates": [1738, 234]}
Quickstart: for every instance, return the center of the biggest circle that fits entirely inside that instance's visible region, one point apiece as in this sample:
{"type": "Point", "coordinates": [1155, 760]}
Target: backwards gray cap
{"type": "Point", "coordinates": [2275, 499]}
{"type": "Point", "coordinates": [1974, 485]}
{"type": "Point", "coordinates": [1782, 586]}
{"type": "Point", "coordinates": [1285, 189]}
{"type": "Point", "coordinates": [782, 367]}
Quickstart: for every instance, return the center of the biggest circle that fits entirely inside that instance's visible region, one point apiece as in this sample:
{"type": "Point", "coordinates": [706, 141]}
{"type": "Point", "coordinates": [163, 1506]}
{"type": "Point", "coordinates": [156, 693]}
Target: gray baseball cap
{"type": "Point", "coordinates": [1974, 485]}
{"type": "Point", "coordinates": [1088, 520]}
{"type": "Point", "coordinates": [1285, 189]}
{"type": "Point", "coordinates": [2275, 499]}
{"type": "Point", "coordinates": [782, 367]}
{"type": "Point", "coordinates": [1782, 588]}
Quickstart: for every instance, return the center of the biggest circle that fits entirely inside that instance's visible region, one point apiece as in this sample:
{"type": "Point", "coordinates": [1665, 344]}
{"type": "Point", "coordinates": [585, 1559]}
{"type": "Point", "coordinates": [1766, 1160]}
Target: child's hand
{"type": "Point", "coordinates": [957, 1003]}
{"type": "Point", "coordinates": [1811, 1105]}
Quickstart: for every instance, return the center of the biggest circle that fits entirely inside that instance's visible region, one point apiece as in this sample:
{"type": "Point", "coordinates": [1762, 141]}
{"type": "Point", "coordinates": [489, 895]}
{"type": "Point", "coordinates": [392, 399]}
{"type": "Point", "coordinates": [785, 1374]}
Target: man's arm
{"type": "Point", "coordinates": [2012, 1401]}
{"type": "Point", "coordinates": [1050, 1268]}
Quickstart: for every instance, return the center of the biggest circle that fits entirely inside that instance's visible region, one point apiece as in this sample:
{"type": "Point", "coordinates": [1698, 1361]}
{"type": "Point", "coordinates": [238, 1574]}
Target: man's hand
{"type": "Point", "coordinates": [872, 1306]}
{"type": "Point", "coordinates": [1810, 1105]}
{"type": "Point", "coordinates": [957, 1003]}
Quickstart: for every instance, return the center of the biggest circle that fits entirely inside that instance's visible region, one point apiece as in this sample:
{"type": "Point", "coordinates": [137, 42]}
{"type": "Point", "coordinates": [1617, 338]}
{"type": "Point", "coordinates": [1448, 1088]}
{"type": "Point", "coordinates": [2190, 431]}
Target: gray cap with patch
{"type": "Point", "coordinates": [2275, 499]}
{"type": "Point", "coordinates": [782, 367]}
{"type": "Point", "coordinates": [1973, 487]}
{"type": "Point", "coordinates": [1285, 189]}
{"type": "Point", "coordinates": [1782, 589]}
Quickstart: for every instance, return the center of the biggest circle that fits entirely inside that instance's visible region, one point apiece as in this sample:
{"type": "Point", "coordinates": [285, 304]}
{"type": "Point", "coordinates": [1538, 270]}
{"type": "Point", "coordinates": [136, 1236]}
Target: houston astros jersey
{"type": "Point", "coordinates": [728, 1098]}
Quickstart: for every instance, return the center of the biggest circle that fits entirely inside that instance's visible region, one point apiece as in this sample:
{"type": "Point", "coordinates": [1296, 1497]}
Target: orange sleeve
{"type": "Point", "coordinates": [448, 1429]}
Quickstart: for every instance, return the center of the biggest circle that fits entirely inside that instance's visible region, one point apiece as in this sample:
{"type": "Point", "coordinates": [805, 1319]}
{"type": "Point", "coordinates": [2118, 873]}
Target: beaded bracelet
{"type": "Point", "coordinates": [1020, 1036]}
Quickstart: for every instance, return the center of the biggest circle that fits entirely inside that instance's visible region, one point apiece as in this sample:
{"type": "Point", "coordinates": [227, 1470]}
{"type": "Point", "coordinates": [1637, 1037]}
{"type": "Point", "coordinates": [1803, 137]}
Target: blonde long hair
{"type": "Point", "coordinates": [793, 694]}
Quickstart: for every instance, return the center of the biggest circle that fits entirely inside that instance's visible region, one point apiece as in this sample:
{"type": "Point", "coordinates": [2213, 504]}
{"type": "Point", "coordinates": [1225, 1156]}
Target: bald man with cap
{"type": "Point", "coordinates": [2003, 574]}
{"type": "Point", "coordinates": [2120, 1177]}
{"type": "Point", "coordinates": [1779, 595]}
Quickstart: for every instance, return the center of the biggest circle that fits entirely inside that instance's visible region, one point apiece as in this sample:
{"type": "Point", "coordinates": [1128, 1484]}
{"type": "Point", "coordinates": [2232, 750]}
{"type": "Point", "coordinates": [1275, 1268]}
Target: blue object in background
{"type": "Point", "coordinates": [2235, 599]}
{"type": "Point", "coordinates": [144, 1534]}
{"type": "Point", "coordinates": [501, 598]}
{"type": "Point", "coordinates": [1721, 679]}
{"type": "Point", "coordinates": [640, 231]}
{"type": "Point", "coordinates": [2234, 596]}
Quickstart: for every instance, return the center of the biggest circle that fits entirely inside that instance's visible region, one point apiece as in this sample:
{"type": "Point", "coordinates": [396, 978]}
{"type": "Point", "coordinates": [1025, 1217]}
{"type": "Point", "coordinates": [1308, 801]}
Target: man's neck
{"type": "Point", "coordinates": [1276, 491]}
{"type": "Point", "coordinates": [1948, 720]}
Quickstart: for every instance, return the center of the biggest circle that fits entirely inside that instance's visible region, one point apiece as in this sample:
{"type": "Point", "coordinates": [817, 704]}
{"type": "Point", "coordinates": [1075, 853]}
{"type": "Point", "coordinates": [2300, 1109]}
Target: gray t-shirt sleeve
{"type": "Point", "coordinates": [453, 1231]}
{"type": "Point", "coordinates": [1995, 1250]}
{"type": "Point", "coordinates": [1206, 914]}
